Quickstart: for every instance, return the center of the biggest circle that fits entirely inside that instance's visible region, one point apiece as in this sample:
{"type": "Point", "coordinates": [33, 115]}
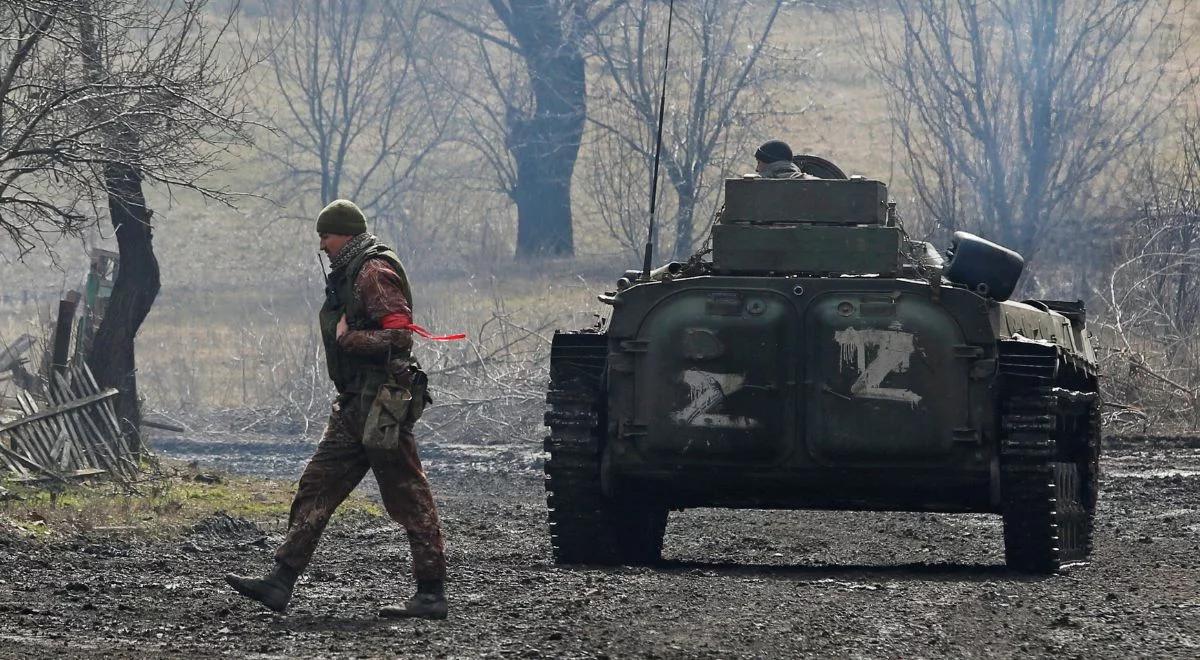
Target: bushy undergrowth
{"type": "Point", "coordinates": [259, 354]}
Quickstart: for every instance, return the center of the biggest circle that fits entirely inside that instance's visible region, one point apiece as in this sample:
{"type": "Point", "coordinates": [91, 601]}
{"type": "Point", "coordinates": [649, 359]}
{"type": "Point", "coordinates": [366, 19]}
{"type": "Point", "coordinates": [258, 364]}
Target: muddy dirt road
{"type": "Point", "coordinates": [736, 584]}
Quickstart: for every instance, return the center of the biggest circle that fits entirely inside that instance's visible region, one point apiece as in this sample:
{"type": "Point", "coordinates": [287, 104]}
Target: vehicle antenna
{"type": "Point", "coordinates": [662, 104]}
{"type": "Point", "coordinates": [321, 263]}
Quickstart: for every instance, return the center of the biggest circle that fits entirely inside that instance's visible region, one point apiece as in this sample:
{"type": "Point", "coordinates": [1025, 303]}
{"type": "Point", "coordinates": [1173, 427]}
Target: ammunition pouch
{"type": "Point", "coordinates": [398, 404]}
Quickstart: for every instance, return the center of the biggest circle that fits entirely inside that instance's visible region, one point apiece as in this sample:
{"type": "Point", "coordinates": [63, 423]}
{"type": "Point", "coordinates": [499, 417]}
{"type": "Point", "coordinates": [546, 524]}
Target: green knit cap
{"type": "Point", "coordinates": [341, 216]}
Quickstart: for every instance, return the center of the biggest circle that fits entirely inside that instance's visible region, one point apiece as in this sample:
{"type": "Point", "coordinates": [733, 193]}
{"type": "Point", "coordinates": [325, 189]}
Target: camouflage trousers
{"type": "Point", "coordinates": [339, 464]}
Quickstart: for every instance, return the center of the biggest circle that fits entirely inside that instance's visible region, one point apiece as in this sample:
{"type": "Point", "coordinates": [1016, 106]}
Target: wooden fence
{"type": "Point", "coordinates": [75, 435]}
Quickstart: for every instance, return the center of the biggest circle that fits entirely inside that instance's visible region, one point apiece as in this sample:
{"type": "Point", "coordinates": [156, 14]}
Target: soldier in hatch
{"type": "Point", "coordinates": [366, 326]}
{"type": "Point", "coordinates": [774, 161]}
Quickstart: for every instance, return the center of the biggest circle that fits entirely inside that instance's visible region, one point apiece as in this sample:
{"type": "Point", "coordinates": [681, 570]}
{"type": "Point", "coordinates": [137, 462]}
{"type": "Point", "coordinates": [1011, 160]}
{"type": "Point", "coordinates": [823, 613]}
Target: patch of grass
{"type": "Point", "coordinates": [165, 506]}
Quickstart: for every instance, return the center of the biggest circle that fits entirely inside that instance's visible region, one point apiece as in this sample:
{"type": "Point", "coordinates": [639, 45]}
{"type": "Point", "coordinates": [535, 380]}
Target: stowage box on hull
{"type": "Point", "coordinates": [806, 249]}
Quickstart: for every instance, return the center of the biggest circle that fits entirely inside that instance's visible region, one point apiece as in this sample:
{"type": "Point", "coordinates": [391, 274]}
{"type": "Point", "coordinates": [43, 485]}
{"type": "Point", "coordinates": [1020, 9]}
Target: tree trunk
{"type": "Point", "coordinates": [542, 191]}
{"type": "Point", "coordinates": [136, 286]}
{"type": "Point", "coordinates": [545, 142]}
{"type": "Point", "coordinates": [112, 355]}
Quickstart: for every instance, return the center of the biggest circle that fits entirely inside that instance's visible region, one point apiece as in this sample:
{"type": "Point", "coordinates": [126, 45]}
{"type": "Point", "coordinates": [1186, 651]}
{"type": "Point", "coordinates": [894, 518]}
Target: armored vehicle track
{"type": "Point", "coordinates": [1049, 460]}
{"type": "Point", "coordinates": [585, 526]}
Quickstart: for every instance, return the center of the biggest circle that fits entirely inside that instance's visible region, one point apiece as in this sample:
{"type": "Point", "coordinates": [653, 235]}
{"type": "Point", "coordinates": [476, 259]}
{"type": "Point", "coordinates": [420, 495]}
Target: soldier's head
{"type": "Point", "coordinates": [771, 152]}
{"type": "Point", "coordinates": [340, 221]}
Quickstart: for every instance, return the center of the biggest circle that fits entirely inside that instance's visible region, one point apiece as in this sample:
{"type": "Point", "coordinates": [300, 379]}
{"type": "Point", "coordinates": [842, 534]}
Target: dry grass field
{"type": "Point", "coordinates": [259, 348]}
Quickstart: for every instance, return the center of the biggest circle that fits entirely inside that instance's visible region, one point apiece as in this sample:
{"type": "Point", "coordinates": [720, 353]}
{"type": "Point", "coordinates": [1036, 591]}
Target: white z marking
{"type": "Point", "coordinates": [894, 351]}
{"type": "Point", "coordinates": [707, 390]}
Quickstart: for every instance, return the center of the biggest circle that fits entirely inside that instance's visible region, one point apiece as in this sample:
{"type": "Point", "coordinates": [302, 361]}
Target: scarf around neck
{"type": "Point", "coordinates": [352, 250]}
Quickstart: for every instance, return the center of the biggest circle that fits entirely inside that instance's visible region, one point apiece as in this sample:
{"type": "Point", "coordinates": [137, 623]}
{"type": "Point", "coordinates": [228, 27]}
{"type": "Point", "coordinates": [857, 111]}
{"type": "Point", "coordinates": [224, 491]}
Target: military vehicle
{"type": "Point", "coordinates": [822, 360]}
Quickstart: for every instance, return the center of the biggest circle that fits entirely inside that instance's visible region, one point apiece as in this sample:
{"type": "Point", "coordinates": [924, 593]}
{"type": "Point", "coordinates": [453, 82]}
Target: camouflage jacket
{"type": "Point", "coordinates": [781, 169]}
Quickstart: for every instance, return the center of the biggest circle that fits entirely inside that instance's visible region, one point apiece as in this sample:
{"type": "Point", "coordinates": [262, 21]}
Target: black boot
{"type": "Point", "coordinates": [274, 590]}
{"type": "Point", "coordinates": [428, 603]}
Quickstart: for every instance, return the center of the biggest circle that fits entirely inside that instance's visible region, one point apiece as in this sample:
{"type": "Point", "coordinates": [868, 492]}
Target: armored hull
{"type": "Point", "coordinates": [788, 385]}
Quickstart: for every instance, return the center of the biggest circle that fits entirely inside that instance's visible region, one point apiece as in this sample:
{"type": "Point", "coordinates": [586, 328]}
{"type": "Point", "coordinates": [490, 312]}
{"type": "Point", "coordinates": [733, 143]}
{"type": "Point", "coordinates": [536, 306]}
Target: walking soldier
{"type": "Point", "coordinates": [366, 327]}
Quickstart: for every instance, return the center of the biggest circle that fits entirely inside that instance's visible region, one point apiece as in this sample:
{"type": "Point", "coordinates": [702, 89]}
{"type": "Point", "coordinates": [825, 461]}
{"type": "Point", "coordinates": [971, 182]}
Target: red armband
{"type": "Point", "coordinates": [397, 321]}
{"type": "Point", "coordinates": [400, 321]}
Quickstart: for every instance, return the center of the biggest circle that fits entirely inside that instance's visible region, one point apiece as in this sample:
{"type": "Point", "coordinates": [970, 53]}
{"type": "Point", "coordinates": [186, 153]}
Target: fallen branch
{"type": "Point", "coordinates": [33, 464]}
{"type": "Point", "coordinates": [480, 360]}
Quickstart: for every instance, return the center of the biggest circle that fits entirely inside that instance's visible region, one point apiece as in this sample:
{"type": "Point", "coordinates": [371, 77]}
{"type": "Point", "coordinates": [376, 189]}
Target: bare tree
{"type": "Point", "coordinates": [359, 117]}
{"type": "Point", "coordinates": [54, 143]}
{"type": "Point", "coordinates": [530, 96]}
{"type": "Point", "coordinates": [37, 197]}
{"type": "Point", "coordinates": [100, 96]}
{"type": "Point", "coordinates": [616, 181]}
{"type": "Point", "coordinates": [1009, 110]}
{"type": "Point", "coordinates": [1151, 304]}
{"type": "Point", "coordinates": [718, 94]}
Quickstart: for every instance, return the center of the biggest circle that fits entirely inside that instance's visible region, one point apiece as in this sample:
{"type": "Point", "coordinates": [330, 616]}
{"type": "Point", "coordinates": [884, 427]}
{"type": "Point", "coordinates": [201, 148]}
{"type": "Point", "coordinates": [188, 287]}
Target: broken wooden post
{"type": "Point", "coordinates": [60, 358]}
{"type": "Point", "coordinates": [10, 356]}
